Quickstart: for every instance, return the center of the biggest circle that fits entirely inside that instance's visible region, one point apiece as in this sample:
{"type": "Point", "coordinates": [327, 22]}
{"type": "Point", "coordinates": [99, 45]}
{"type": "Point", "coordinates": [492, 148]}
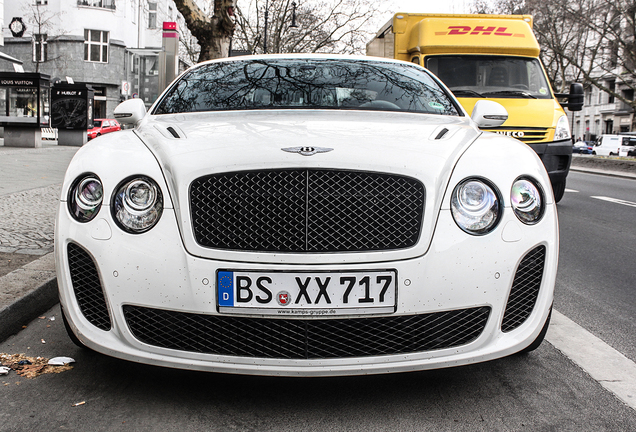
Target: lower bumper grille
{"type": "Point", "coordinates": [305, 339]}
{"type": "Point", "coordinates": [525, 289]}
{"type": "Point", "coordinates": [87, 287]}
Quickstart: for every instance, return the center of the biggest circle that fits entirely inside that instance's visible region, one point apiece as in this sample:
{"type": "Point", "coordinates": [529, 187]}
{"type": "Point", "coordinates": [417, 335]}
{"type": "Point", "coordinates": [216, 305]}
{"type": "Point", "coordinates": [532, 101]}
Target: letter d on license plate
{"type": "Point", "coordinates": [306, 293]}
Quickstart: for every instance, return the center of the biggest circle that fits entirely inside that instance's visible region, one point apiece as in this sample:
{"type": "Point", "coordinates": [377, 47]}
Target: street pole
{"type": "Point", "coordinates": [265, 37]}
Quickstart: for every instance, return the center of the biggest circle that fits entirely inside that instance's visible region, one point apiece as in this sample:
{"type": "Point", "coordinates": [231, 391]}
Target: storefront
{"type": "Point", "coordinates": [24, 107]}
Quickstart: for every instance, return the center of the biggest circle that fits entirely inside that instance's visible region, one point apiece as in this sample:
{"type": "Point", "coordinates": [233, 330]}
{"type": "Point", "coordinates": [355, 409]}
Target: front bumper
{"type": "Point", "coordinates": [153, 271]}
{"type": "Point", "coordinates": [556, 157]}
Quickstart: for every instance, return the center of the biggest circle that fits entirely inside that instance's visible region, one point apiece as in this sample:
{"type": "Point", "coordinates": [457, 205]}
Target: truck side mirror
{"type": "Point", "coordinates": [489, 114]}
{"type": "Point", "coordinates": [575, 97]}
{"type": "Point", "coordinates": [130, 111]}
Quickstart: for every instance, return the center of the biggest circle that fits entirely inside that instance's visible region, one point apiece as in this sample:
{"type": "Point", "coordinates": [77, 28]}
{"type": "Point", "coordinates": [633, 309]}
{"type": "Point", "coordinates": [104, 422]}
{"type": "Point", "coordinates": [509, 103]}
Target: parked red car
{"type": "Point", "coordinates": [103, 126]}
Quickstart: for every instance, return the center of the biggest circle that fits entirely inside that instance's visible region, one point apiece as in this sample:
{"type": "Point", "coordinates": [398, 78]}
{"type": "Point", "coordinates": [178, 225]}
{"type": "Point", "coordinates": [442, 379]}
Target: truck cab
{"type": "Point", "coordinates": [493, 57]}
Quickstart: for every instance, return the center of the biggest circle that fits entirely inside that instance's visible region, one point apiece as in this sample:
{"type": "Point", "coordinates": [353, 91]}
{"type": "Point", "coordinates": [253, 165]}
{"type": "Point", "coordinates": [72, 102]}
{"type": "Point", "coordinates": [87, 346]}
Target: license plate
{"type": "Point", "coordinates": [306, 293]}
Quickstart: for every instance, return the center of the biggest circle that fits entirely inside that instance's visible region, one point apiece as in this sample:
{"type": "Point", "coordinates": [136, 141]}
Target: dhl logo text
{"type": "Point", "coordinates": [479, 30]}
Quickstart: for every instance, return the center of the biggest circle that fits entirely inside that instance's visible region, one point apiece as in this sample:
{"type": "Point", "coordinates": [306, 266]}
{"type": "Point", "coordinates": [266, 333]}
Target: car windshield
{"type": "Point", "coordinates": [477, 76]}
{"type": "Point", "coordinates": [306, 83]}
{"type": "Point", "coordinates": [97, 123]}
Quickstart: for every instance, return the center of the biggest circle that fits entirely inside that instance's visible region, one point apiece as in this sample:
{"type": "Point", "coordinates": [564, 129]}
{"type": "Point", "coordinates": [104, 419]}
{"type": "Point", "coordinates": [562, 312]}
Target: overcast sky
{"type": "Point", "coordinates": [430, 6]}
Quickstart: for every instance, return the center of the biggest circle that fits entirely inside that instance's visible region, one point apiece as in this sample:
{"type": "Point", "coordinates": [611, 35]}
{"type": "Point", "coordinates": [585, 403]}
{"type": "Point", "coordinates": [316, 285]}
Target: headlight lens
{"type": "Point", "coordinates": [527, 201]}
{"type": "Point", "coordinates": [137, 205]}
{"type": "Point", "coordinates": [475, 206]}
{"type": "Point", "coordinates": [85, 198]}
{"type": "Point", "coordinates": [562, 130]}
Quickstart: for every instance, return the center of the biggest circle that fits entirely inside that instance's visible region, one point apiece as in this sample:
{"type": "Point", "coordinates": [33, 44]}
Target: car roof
{"type": "Point", "coordinates": [303, 56]}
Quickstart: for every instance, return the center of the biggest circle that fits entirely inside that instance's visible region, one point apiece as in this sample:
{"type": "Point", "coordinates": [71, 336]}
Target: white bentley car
{"type": "Point", "coordinates": [307, 215]}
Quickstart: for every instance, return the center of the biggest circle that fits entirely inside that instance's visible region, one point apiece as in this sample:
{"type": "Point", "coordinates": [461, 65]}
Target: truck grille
{"type": "Point", "coordinates": [305, 339]}
{"type": "Point", "coordinates": [306, 210]}
{"type": "Point", "coordinates": [525, 134]}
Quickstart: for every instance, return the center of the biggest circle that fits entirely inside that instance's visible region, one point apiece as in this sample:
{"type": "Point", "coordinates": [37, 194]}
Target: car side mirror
{"type": "Point", "coordinates": [130, 111]}
{"type": "Point", "coordinates": [489, 114]}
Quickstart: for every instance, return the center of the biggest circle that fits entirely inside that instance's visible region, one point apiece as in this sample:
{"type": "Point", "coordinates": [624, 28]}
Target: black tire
{"type": "Point", "coordinates": [71, 335]}
{"type": "Point", "coordinates": [535, 344]}
{"type": "Point", "coordinates": [559, 190]}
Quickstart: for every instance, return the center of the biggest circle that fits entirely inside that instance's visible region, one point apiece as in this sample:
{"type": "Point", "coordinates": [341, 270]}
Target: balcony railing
{"type": "Point", "coordinates": [105, 4]}
{"type": "Point", "coordinates": [608, 107]}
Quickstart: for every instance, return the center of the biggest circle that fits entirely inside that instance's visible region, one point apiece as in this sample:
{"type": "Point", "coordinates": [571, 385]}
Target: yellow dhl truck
{"type": "Point", "coordinates": [492, 57]}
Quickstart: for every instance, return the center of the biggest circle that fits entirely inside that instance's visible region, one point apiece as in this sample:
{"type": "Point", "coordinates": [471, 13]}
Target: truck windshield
{"type": "Point", "coordinates": [477, 76]}
{"type": "Point", "coordinates": [295, 83]}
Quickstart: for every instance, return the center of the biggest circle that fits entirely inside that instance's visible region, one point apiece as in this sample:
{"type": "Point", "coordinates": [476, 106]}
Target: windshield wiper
{"type": "Point", "coordinates": [466, 92]}
{"type": "Point", "coordinates": [512, 93]}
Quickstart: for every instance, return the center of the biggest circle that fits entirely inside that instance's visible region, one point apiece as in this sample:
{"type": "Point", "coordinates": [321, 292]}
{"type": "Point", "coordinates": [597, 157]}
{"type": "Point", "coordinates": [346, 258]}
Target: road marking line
{"type": "Point", "coordinates": [571, 190]}
{"type": "Point", "coordinates": [603, 363]}
{"type": "Point", "coordinates": [617, 201]}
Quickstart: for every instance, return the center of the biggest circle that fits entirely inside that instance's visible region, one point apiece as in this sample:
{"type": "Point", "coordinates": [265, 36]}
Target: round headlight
{"type": "Point", "coordinates": [137, 205]}
{"type": "Point", "coordinates": [527, 201]}
{"type": "Point", "coordinates": [475, 206]}
{"type": "Point", "coordinates": [85, 198]}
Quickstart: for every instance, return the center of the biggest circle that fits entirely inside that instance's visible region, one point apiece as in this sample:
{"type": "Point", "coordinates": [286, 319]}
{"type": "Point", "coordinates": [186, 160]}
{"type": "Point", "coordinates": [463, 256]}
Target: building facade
{"type": "Point", "coordinates": [112, 45]}
{"type": "Point", "coordinates": [603, 113]}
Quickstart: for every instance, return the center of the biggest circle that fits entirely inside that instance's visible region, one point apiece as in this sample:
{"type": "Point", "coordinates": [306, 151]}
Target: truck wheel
{"type": "Point", "coordinates": [559, 190]}
{"type": "Point", "coordinates": [535, 344]}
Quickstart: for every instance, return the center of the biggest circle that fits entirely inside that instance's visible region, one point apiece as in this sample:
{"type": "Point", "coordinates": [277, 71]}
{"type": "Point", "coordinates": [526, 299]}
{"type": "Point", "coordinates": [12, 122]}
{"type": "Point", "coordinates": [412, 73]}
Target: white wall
{"type": "Point", "coordinates": [68, 18]}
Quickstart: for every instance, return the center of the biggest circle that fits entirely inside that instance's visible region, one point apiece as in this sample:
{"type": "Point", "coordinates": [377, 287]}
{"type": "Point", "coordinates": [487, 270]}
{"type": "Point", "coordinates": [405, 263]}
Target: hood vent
{"type": "Point", "coordinates": [173, 132]}
{"type": "Point", "coordinates": [441, 133]}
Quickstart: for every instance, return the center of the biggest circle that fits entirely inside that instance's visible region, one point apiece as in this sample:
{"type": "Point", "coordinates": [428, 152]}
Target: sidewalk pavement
{"type": "Point", "coordinates": [30, 181]}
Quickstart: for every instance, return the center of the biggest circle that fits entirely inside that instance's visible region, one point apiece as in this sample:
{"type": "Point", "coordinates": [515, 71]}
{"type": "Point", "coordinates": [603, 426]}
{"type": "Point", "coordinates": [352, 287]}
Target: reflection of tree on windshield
{"type": "Point", "coordinates": [306, 83]}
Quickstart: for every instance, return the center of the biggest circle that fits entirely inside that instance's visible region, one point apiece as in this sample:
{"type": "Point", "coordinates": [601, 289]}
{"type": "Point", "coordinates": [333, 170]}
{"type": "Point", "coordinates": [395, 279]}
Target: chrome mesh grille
{"type": "Point", "coordinates": [87, 287]}
{"type": "Point", "coordinates": [525, 289]}
{"type": "Point", "coordinates": [305, 339]}
{"type": "Point", "coordinates": [306, 211]}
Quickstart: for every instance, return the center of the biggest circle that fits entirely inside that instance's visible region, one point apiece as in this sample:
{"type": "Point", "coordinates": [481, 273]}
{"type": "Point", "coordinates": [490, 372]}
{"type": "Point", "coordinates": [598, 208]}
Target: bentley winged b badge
{"type": "Point", "coordinates": [307, 151]}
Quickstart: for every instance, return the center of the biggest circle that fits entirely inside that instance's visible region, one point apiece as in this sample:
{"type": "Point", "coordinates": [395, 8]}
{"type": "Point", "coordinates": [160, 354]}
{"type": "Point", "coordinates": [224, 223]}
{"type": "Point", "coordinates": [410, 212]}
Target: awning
{"type": "Point", "coordinates": [4, 56]}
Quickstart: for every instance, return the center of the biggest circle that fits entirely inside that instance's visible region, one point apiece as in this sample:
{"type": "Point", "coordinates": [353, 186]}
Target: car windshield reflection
{"type": "Point", "coordinates": [306, 83]}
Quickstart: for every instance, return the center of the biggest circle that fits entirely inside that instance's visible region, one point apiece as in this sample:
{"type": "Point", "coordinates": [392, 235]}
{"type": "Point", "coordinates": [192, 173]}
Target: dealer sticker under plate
{"type": "Point", "coordinates": [306, 293]}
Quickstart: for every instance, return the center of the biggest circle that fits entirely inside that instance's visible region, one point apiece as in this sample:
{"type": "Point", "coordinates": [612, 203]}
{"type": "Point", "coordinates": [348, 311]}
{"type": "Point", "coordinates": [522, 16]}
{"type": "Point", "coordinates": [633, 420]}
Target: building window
{"type": "Point", "coordinates": [106, 4]}
{"type": "Point", "coordinates": [152, 15]}
{"type": "Point", "coordinates": [41, 2]}
{"type": "Point", "coordinates": [39, 48]}
{"type": "Point", "coordinates": [96, 46]}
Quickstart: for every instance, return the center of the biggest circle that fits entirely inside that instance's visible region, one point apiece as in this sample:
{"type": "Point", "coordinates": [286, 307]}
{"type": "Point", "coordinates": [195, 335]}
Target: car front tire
{"type": "Point", "coordinates": [559, 190]}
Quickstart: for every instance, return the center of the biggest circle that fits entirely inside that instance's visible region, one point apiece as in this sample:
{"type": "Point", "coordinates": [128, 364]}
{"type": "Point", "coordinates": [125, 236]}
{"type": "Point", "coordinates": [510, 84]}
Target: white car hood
{"type": "Point", "coordinates": [188, 146]}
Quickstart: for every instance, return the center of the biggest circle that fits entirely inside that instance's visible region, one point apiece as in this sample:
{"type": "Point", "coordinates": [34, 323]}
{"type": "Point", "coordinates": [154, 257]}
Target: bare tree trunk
{"type": "Point", "coordinates": [213, 33]}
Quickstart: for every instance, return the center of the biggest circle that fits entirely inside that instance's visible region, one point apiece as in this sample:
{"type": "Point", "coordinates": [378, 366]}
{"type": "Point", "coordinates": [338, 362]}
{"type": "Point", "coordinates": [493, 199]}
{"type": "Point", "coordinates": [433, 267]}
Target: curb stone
{"type": "Point", "coordinates": [26, 293]}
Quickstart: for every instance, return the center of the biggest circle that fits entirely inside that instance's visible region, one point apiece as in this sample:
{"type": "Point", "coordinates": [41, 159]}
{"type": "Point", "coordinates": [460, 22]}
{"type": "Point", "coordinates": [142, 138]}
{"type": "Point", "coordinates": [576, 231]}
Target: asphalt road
{"type": "Point", "coordinates": [542, 391]}
{"type": "Point", "coordinates": [596, 287]}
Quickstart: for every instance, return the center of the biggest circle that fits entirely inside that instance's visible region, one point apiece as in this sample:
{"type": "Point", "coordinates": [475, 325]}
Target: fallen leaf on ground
{"type": "Point", "coordinates": [38, 366]}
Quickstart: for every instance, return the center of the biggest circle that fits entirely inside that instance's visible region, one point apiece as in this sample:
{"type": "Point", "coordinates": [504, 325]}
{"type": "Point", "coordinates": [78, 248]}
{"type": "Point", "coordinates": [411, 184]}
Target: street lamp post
{"type": "Point", "coordinates": [293, 23]}
{"type": "Point", "coordinates": [265, 29]}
